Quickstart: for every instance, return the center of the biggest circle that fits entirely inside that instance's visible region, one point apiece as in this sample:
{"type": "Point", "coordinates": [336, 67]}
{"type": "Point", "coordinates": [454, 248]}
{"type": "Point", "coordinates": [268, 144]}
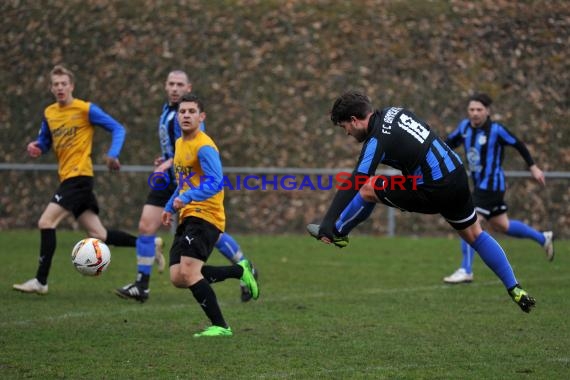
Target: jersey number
{"type": "Point", "coordinates": [418, 131]}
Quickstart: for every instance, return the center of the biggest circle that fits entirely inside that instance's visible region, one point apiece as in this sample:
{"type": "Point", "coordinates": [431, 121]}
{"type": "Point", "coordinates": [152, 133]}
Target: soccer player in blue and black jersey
{"type": "Point", "coordinates": [149, 246]}
{"type": "Point", "coordinates": [394, 136]}
{"type": "Point", "coordinates": [484, 141]}
{"type": "Point", "coordinates": [67, 127]}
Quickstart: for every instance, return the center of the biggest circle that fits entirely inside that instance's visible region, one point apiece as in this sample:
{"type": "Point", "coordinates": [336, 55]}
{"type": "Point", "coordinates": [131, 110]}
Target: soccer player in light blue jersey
{"type": "Point", "coordinates": [149, 246]}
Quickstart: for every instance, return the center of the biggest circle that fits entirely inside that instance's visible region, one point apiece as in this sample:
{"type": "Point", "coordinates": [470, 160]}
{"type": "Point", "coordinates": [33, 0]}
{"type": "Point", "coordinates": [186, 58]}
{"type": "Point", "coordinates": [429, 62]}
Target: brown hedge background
{"type": "Point", "coordinates": [269, 71]}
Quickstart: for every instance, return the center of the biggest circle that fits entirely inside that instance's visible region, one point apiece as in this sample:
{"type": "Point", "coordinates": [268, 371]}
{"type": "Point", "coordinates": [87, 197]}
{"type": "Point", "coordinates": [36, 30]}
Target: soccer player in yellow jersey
{"type": "Point", "coordinates": [199, 201]}
{"type": "Point", "coordinates": [149, 245]}
{"type": "Point", "coordinates": [68, 127]}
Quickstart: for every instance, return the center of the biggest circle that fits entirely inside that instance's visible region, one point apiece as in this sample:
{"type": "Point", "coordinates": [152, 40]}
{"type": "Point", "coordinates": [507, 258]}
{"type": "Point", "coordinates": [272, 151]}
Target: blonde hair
{"type": "Point", "coordinates": [62, 70]}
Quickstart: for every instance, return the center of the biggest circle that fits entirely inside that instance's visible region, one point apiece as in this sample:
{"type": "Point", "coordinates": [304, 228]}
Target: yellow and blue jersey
{"type": "Point", "coordinates": [69, 131]}
{"type": "Point", "coordinates": [198, 171]}
{"type": "Point", "coordinates": [169, 131]}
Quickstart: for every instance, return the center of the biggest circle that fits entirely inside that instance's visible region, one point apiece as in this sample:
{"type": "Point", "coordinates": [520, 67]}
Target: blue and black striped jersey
{"type": "Point", "coordinates": [399, 139]}
{"type": "Point", "coordinates": [168, 130]}
{"type": "Point", "coordinates": [484, 152]}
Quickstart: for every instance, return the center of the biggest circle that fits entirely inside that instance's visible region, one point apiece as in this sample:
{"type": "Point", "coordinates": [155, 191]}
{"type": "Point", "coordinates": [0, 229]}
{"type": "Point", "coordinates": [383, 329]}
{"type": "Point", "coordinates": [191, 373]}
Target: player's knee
{"type": "Point", "coordinates": [146, 227]}
{"type": "Point", "coordinates": [178, 282]}
{"type": "Point", "coordinates": [101, 235]}
{"type": "Point", "coordinates": [149, 225]}
{"type": "Point", "coordinates": [367, 192]}
{"type": "Point", "coordinates": [499, 227]}
{"type": "Point", "coordinates": [185, 277]}
{"type": "Point", "coordinates": [45, 222]}
{"type": "Point", "coordinates": [471, 233]}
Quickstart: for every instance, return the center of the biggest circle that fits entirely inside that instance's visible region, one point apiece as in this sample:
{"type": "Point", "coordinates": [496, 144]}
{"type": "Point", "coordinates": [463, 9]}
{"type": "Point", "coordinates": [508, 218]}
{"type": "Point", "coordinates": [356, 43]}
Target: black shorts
{"type": "Point", "coordinates": [489, 203]}
{"type": "Point", "coordinates": [195, 238]}
{"type": "Point", "coordinates": [160, 197]}
{"type": "Point", "coordinates": [449, 196]}
{"type": "Point", "coordinates": [76, 195]}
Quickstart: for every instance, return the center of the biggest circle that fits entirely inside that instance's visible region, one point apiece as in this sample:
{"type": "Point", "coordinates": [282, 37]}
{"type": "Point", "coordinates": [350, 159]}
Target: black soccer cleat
{"type": "Point", "coordinates": [133, 292]}
{"type": "Point", "coordinates": [522, 298]}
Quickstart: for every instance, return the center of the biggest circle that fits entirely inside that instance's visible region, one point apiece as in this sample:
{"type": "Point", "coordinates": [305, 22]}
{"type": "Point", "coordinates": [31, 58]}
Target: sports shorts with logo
{"type": "Point", "coordinates": [195, 238]}
{"type": "Point", "coordinates": [489, 203]}
{"type": "Point", "coordinates": [76, 195]}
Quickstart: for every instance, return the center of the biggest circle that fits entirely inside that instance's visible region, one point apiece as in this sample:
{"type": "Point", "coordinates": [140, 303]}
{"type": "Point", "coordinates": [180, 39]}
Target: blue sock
{"type": "Point", "coordinates": [357, 211]}
{"type": "Point", "coordinates": [521, 230]}
{"type": "Point", "coordinates": [468, 254]}
{"type": "Point", "coordinates": [145, 253]}
{"type": "Point", "coordinates": [229, 248]}
{"type": "Point", "coordinates": [493, 255]}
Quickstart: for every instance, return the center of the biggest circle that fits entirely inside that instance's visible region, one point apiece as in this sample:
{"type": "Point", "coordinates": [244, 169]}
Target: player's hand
{"type": "Point", "coordinates": [157, 161]}
{"type": "Point", "coordinates": [178, 204]}
{"type": "Point", "coordinates": [164, 166]}
{"type": "Point", "coordinates": [538, 175]}
{"type": "Point", "coordinates": [113, 164]}
{"type": "Point", "coordinates": [166, 218]}
{"type": "Point", "coordinates": [33, 150]}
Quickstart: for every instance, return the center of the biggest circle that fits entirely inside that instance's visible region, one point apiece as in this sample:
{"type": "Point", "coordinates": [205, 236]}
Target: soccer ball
{"type": "Point", "coordinates": [91, 257]}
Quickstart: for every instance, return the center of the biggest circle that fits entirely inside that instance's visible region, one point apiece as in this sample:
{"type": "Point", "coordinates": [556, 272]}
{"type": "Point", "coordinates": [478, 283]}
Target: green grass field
{"type": "Point", "coordinates": [375, 310]}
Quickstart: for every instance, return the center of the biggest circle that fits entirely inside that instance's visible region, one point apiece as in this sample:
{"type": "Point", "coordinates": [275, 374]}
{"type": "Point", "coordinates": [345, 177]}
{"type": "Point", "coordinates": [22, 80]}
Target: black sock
{"type": "Point", "coordinates": [142, 280]}
{"type": "Point", "coordinates": [120, 239]}
{"type": "Point", "coordinates": [206, 298]}
{"type": "Point", "coordinates": [218, 274]}
{"type": "Point", "coordinates": [47, 250]}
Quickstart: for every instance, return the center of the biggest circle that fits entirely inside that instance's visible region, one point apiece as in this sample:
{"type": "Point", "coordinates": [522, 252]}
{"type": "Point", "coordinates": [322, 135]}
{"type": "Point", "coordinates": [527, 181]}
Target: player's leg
{"type": "Point", "coordinates": [148, 248]}
{"type": "Point", "coordinates": [357, 211]}
{"type": "Point", "coordinates": [491, 253]}
{"type": "Point", "coordinates": [465, 272]}
{"type": "Point", "coordinates": [457, 208]}
{"type": "Point", "coordinates": [47, 224]}
{"type": "Point", "coordinates": [518, 229]}
{"type": "Point", "coordinates": [242, 271]}
{"type": "Point", "coordinates": [231, 250]}
{"type": "Point", "coordinates": [495, 258]}
{"type": "Point", "coordinates": [94, 228]}
{"type": "Point", "coordinates": [193, 243]}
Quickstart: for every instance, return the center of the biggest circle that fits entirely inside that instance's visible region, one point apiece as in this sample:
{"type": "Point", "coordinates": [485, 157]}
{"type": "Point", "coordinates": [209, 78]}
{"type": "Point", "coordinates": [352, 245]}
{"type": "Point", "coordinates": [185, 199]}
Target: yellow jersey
{"type": "Point", "coordinates": [69, 130]}
{"type": "Point", "coordinates": [198, 171]}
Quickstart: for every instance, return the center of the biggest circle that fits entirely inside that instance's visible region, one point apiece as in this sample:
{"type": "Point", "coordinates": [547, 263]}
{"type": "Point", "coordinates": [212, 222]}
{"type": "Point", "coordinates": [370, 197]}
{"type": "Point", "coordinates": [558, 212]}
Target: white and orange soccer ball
{"type": "Point", "coordinates": [91, 257]}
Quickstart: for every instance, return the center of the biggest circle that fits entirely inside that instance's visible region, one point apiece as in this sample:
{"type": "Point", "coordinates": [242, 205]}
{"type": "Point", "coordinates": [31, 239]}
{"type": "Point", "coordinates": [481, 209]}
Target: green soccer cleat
{"type": "Point", "coordinates": [248, 278]}
{"type": "Point", "coordinates": [215, 331]}
{"type": "Point", "coordinates": [521, 298]}
{"type": "Point", "coordinates": [339, 241]}
{"type": "Point", "coordinates": [244, 290]}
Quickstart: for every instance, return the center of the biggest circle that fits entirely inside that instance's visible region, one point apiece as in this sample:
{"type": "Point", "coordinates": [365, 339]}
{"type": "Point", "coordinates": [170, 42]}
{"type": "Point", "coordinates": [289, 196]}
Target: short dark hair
{"type": "Point", "coordinates": [351, 103]}
{"type": "Point", "coordinates": [482, 98]}
{"type": "Point", "coordinates": [192, 97]}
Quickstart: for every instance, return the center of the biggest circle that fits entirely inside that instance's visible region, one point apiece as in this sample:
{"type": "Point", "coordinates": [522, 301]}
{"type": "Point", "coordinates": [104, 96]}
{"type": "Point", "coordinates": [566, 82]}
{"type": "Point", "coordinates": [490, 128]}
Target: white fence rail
{"type": "Point", "coordinates": [391, 221]}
